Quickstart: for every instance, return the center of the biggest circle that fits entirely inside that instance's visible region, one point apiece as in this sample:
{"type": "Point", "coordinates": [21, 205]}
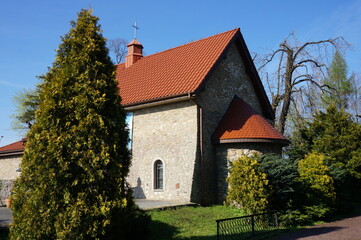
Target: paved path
{"type": "Point", "coordinates": [345, 229]}
{"type": "Point", "coordinates": [156, 204]}
{"type": "Point", "coordinates": [5, 217]}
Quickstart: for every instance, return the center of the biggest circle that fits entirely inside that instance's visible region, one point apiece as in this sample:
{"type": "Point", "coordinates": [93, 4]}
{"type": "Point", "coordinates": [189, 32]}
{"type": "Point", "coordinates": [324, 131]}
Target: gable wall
{"type": "Point", "coordinates": [168, 133]}
{"type": "Point", "coordinates": [228, 79]}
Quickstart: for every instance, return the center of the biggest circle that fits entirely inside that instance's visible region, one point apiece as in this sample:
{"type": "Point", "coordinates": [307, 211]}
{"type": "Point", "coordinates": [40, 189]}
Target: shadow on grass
{"type": "Point", "coordinates": [162, 231]}
{"type": "Point", "coordinates": [4, 233]}
{"type": "Point", "coordinates": [159, 230]}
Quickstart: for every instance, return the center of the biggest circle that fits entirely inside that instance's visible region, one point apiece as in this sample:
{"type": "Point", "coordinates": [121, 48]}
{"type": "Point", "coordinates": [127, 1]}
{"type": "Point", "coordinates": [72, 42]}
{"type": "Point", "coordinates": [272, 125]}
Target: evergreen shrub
{"type": "Point", "coordinates": [74, 166]}
{"type": "Point", "coordinates": [318, 185]}
{"type": "Point", "coordinates": [282, 175]}
{"type": "Point", "coordinates": [248, 185]}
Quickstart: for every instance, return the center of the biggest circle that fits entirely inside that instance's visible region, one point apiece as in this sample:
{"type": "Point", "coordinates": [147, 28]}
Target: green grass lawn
{"type": "Point", "coordinates": [192, 223]}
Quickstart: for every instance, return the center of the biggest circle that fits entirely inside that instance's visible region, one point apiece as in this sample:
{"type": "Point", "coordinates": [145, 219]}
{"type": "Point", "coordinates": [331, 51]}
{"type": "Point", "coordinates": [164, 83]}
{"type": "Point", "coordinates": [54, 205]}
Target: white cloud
{"type": "Point", "coordinates": [9, 84]}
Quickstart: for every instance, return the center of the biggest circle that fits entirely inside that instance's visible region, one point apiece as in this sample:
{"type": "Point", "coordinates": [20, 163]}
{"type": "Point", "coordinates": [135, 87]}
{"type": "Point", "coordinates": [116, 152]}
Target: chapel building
{"type": "Point", "coordinates": [190, 110]}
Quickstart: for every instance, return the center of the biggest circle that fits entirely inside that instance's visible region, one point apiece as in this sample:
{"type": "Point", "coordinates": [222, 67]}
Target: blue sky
{"type": "Point", "coordinates": [30, 31]}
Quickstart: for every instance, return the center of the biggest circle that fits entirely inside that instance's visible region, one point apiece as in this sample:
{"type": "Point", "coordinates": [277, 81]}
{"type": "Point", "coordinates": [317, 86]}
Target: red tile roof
{"type": "Point", "coordinates": [173, 72]}
{"type": "Point", "coordinates": [241, 123]}
{"type": "Point", "coordinates": [13, 147]}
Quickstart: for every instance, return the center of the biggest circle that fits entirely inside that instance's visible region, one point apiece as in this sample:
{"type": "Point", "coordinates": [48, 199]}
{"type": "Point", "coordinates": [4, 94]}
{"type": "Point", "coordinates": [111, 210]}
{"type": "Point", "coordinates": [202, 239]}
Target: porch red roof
{"type": "Point", "coordinates": [241, 123]}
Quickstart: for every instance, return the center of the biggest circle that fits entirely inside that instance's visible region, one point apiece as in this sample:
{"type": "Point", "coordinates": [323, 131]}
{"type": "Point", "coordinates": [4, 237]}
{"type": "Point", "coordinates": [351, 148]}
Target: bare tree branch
{"type": "Point", "coordinates": [118, 46]}
{"type": "Point", "coordinates": [270, 59]}
{"type": "Point", "coordinates": [317, 64]}
{"type": "Point", "coordinates": [300, 66]}
{"type": "Point", "coordinates": [301, 49]}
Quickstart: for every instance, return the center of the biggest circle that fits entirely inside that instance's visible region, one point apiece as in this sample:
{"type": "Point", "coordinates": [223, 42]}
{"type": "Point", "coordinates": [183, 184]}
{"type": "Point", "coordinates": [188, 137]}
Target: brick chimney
{"type": "Point", "coordinates": [134, 52]}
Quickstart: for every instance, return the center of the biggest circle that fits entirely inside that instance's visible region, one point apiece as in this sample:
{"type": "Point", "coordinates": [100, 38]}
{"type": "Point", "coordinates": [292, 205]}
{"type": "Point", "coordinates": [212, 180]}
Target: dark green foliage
{"type": "Point", "coordinates": [290, 193]}
{"type": "Point", "coordinates": [282, 175]}
{"type": "Point", "coordinates": [301, 191]}
{"type": "Point", "coordinates": [354, 164]}
{"type": "Point", "coordinates": [333, 134]}
{"type": "Point", "coordinates": [74, 166]}
{"type": "Point", "coordinates": [304, 216]}
{"type": "Point", "coordinates": [301, 144]}
{"type": "Point", "coordinates": [295, 217]}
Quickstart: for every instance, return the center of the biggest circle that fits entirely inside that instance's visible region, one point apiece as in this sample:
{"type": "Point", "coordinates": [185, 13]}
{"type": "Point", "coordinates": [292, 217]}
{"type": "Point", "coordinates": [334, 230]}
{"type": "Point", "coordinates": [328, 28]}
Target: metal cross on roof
{"type": "Point", "coordinates": [135, 29]}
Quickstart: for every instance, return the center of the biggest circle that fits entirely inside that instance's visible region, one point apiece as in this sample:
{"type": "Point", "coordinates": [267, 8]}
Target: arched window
{"type": "Point", "coordinates": [158, 174]}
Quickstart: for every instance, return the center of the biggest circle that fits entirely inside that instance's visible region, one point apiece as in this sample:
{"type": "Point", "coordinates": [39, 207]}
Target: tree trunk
{"type": "Point", "coordinates": [288, 92]}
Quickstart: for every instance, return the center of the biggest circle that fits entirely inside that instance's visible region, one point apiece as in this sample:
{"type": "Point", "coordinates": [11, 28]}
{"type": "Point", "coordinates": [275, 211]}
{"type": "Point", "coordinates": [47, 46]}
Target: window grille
{"type": "Point", "coordinates": [158, 174]}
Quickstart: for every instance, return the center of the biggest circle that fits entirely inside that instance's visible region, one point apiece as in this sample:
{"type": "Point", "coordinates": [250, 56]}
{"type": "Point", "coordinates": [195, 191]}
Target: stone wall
{"type": "Point", "coordinates": [168, 133]}
{"type": "Point", "coordinates": [8, 173]}
{"type": "Point", "coordinates": [228, 79]}
{"type": "Point", "coordinates": [8, 167]}
{"type": "Point", "coordinates": [5, 188]}
{"type": "Point", "coordinates": [229, 152]}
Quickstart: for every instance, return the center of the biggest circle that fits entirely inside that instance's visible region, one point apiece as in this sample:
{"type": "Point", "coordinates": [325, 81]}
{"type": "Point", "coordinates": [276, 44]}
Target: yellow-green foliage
{"type": "Point", "coordinates": [72, 184]}
{"type": "Point", "coordinates": [315, 175]}
{"type": "Point", "coordinates": [247, 185]}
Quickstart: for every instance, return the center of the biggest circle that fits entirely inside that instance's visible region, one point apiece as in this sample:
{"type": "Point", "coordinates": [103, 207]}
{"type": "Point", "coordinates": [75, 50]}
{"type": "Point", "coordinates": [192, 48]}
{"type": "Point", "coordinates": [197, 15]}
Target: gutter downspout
{"type": "Point", "coordinates": [200, 120]}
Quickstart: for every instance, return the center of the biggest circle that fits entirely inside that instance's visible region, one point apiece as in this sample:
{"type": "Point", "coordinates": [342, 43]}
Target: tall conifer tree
{"type": "Point", "coordinates": [340, 84]}
{"type": "Point", "coordinates": [72, 184]}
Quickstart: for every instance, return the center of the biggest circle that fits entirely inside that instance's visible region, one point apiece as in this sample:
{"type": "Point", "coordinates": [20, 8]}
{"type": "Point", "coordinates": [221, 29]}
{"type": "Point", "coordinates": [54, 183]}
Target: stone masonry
{"type": "Point", "coordinates": [8, 173]}
{"type": "Point", "coordinates": [167, 133]}
{"type": "Point", "coordinates": [8, 167]}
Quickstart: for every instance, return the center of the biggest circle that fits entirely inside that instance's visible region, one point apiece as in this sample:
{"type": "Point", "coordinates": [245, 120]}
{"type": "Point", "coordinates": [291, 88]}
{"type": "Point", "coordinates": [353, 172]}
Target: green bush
{"type": "Point", "coordinates": [354, 164]}
{"type": "Point", "coordinates": [318, 185]}
{"type": "Point", "coordinates": [248, 185]}
{"type": "Point", "coordinates": [302, 191]}
{"type": "Point", "coordinates": [282, 174]}
{"type": "Point", "coordinates": [294, 217]}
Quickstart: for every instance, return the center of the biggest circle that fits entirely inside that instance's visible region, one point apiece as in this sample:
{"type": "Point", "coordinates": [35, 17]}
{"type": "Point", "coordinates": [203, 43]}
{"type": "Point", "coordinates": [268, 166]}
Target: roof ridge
{"type": "Point", "coordinates": [173, 48]}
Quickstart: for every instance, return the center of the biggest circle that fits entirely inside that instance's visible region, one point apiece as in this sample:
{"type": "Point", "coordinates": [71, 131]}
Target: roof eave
{"type": "Point", "coordinates": [159, 101]}
{"type": "Point", "coordinates": [11, 153]}
{"type": "Point", "coordinates": [283, 142]}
